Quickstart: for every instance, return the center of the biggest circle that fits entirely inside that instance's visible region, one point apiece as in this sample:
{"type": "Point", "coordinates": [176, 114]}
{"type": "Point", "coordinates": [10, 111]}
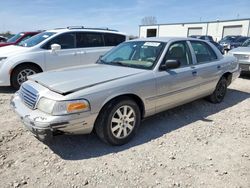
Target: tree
{"type": "Point", "coordinates": [6, 34]}
{"type": "Point", "coordinates": [149, 20]}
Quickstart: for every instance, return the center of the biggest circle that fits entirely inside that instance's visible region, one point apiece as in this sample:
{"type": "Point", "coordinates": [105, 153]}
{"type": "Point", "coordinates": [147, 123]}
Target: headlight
{"type": "Point", "coordinates": [2, 58]}
{"type": "Point", "coordinates": [62, 107]}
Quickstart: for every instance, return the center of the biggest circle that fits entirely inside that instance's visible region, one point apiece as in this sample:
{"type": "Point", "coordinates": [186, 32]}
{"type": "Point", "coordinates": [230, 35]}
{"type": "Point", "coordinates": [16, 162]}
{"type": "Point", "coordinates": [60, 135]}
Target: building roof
{"type": "Point", "coordinates": [233, 20]}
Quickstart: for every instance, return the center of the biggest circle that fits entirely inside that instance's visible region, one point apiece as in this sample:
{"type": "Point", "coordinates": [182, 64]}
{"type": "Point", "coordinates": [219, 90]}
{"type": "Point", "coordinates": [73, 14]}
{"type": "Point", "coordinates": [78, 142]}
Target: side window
{"type": "Point", "coordinates": [113, 39]}
{"type": "Point", "coordinates": [84, 39]}
{"type": "Point", "coordinates": [25, 38]}
{"type": "Point", "coordinates": [203, 52]}
{"type": "Point", "coordinates": [179, 51]}
{"type": "Point", "coordinates": [66, 40]}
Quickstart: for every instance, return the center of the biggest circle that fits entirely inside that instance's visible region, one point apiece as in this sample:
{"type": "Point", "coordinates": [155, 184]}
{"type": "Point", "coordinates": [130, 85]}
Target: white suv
{"type": "Point", "coordinates": [55, 49]}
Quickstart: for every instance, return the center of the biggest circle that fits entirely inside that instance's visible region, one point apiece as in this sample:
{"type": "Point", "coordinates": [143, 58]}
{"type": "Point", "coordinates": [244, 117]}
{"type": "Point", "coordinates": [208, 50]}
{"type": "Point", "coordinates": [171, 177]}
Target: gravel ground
{"type": "Point", "coordinates": [195, 145]}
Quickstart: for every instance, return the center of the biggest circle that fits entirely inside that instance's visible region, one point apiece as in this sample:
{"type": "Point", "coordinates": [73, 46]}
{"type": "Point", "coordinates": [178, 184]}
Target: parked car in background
{"type": "Point", "coordinates": [203, 37]}
{"type": "Point", "coordinates": [16, 39]}
{"type": "Point", "coordinates": [243, 55]}
{"type": "Point", "coordinates": [3, 39]}
{"type": "Point", "coordinates": [238, 42]}
{"type": "Point", "coordinates": [227, 41]}
{"type": "Point", "coordinates": [246, 43]}
{"type": "Point", "coordinates": [210, 39]}
{"type": "Point", "coordinates": [54, 49]}
{"type": "Point", "coordinates": [136, 79]}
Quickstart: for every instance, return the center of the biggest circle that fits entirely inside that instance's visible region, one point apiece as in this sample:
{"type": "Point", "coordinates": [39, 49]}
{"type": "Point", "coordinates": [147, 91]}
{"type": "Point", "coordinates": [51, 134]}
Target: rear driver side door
{"type": "Point", "coordinates": [208, 66]}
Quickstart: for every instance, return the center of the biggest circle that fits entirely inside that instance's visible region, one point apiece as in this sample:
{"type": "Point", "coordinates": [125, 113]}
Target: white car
{"type": "Point", "coordinates": [54, 49]}
{"type": "Point", "coordinates": [242, 53]}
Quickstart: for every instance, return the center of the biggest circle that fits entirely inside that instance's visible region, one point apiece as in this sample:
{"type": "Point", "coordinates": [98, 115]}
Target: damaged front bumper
{"type": "Point", "coordinates": [44, 125]}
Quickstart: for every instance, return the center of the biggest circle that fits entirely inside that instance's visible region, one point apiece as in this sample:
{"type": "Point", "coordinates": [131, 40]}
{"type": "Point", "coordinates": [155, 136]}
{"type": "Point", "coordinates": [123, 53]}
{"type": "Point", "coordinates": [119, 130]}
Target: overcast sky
{"type": "Point", "coordinates": [124, 15]}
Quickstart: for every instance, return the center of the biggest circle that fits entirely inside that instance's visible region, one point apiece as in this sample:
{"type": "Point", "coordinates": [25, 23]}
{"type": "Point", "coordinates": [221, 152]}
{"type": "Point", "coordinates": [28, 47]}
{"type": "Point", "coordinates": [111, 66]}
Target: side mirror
{"type": "Point", "coordinates": [170, 64]}
{"type": "Point", "coordinates": [55, 47]}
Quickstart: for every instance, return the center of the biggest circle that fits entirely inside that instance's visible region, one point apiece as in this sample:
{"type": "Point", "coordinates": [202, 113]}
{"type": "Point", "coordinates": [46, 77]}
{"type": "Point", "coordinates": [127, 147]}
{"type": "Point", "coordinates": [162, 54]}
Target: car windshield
{"type": "Point", "coordinates": [36, 39]}
{"type": "Point", "coordinates": [241, 39]}
{"type": "Point", "coordinates": [15, 37]}
{"type": "Point", "coordinates": [246, 43]}
{"type": "Point", "coordinates": [136, 54]}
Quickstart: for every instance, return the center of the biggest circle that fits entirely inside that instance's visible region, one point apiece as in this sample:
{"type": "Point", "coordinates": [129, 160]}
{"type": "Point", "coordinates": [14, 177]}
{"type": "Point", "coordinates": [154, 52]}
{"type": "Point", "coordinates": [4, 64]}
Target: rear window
{"type": "Point", "coordinates": [113, 39]}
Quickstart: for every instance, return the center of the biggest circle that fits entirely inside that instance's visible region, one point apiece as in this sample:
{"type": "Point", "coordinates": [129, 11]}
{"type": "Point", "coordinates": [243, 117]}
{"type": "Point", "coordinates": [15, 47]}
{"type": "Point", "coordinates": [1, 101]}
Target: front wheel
{"type": "Point", "coordinates": [118, 122]}
{"type": "Point", "coordinates": [220, 91]}
{"type": "Point", "coordinates": [20, 74]}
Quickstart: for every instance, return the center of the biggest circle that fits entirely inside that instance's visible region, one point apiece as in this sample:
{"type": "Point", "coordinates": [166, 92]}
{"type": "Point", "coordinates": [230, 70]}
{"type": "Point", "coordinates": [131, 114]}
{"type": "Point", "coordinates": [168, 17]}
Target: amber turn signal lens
{"type": "Point", "coordinates": [77, 107]}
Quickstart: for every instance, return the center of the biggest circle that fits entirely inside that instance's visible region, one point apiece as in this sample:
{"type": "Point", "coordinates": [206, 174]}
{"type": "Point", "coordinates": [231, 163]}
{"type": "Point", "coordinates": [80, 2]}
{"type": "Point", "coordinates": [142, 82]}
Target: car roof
{"type": "Point", "coordinates": [166, 39]}
{"type": "Point", "coordinates": [30, 32]}
{"type": "Point", "coordinates": [105, 30]}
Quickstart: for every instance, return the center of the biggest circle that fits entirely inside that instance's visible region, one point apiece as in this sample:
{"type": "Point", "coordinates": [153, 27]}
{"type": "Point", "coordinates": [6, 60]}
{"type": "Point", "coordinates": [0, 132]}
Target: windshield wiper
{"type": "Point", "coordinates": [119, 63]}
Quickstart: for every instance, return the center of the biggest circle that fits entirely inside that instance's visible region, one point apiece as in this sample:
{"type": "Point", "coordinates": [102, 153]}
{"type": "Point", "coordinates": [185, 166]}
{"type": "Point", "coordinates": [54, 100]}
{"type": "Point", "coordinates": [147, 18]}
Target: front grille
{"type": "Point", "coordinates": [241, 56]}
{"type": "Point", "coordinates": [28, 95]}
{"type": "Point", "coordinates": [245, 67]}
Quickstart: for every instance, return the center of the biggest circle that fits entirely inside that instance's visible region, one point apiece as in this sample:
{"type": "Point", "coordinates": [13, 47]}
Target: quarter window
{"type": "Point", "coordinates": [203, 52]}
{"type": "Point", "coordinates": [179, 51]}
{"type": "Point", "coordinates": [85, 39]}
{"type": "Point", "coordinates": [113, 39]}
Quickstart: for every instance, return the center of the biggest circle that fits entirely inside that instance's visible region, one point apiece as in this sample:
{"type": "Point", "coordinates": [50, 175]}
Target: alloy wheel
{"type": "Point", "coordinates": [123, 122]}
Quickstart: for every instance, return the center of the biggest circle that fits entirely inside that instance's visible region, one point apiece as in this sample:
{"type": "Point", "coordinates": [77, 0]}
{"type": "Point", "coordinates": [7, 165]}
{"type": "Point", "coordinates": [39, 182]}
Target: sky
{"type": "Point", "coordinates": [125, 16]}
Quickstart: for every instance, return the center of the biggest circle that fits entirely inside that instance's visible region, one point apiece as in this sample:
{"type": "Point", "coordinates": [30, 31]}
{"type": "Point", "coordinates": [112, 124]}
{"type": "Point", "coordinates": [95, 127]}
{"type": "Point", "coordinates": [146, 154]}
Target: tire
{"type": "Point", "coordinates": [220, 91]}
{"type": "Point", "coordinates": [20, 73]}
{"type": "Point", "coordinates": [118, 121]}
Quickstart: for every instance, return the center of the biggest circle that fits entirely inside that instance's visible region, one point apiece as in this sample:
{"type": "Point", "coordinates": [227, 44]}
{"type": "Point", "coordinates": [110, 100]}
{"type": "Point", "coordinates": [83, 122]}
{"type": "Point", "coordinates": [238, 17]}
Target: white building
{"type": "Point", "coordinates": [217, 29]}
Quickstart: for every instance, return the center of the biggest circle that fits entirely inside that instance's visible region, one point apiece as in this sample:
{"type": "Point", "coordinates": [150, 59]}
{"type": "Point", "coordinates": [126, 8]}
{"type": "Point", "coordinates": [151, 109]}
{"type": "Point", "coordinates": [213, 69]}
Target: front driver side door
{"type": "Point", "coordinates": [66, 56]}
{"type": "Point", "coordinates": [176, 86]}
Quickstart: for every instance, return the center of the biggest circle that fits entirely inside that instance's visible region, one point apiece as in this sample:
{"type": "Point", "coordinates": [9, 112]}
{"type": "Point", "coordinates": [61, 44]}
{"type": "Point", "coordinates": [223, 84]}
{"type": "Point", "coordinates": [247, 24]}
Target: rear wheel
{"type": "Point", "coordinates": [220, 91]}
{"type": "Point", "coordinates": [20, 74]}
{"type": "Point", "coordinates": [118, 122]}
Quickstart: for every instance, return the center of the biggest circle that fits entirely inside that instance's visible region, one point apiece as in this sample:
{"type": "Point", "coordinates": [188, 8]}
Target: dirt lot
{"type": "Point", "coordinates": [195, 145]}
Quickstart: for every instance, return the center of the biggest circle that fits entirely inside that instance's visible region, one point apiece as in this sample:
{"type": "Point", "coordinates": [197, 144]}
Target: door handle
{"type": "Point", "coordinates": [218, 67]}
{"type": "Point", "coordinates": [78, 53]}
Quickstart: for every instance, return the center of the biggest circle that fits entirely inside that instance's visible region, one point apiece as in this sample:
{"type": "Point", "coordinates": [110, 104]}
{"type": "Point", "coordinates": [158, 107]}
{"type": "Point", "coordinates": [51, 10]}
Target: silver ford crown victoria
{"type": "Point", "coordinates": [135, 80]}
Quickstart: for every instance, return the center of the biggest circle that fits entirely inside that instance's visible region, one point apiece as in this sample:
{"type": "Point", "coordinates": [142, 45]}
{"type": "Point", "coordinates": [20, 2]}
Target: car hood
{"type": "Point", "coordinates": [7, 51]}
{"type": "Point", "coordinates": [241, 50]}
{"type": "Point", "coordinates": [70, 80]}
{"type": "Point", "coordinates": [5, 44]}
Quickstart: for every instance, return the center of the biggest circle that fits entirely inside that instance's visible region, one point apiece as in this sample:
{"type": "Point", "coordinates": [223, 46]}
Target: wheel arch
{"type": "Point", "coordinates": [131, 96]}
{"type": "Point", "coordinates": [228, 76]}
{"type": "Point", "coordinates": [25, 64]}
{"type": "Point", "coordinates": [12, 72]}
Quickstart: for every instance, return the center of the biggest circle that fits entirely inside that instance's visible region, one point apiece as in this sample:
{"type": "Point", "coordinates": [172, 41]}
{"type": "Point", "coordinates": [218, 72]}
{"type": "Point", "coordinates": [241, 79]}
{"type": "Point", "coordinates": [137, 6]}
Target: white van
{"type": "Point", "coordinates": [55, 49]}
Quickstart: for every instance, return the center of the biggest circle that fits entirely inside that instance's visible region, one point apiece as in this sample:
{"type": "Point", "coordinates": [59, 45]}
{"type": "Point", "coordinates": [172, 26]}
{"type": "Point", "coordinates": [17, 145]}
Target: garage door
{"type": "Point", "coordinates": [232, 30]}
{"type": "Point", "coordinates": [194, 31]}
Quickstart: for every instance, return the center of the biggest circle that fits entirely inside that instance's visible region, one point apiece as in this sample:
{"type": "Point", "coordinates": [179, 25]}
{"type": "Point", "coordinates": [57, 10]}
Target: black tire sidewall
{"type": "Point", "coordinates": [108, 136]}
{"type": "Point", "coordinates": [17, 70]}
{"type": "Point", "coordinates": [222, 82]}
